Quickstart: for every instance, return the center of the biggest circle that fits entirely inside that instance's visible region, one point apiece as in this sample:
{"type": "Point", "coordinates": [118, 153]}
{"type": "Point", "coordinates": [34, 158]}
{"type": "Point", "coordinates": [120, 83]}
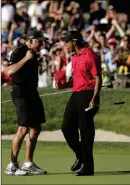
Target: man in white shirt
{"type": "Point", "coordinates": [7, 16]}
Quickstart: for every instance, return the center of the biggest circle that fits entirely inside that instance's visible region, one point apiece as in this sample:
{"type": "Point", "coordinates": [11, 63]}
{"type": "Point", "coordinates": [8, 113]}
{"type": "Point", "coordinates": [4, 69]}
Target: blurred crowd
{"type": "Point", "coordinates": [105, 30]}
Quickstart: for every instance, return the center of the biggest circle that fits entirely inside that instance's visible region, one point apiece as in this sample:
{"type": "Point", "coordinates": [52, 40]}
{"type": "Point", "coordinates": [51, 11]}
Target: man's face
{"type": "Point", "coordinates": [4, 65]}
{"type": "Point", "coordinates": [94, 6]}
{"type": "Point", "coordinates": [69, 45]}
{"type": "Point", "coordinates": [58, 52]}
{"type": "Point", "coordinates": [44, 58]}
{"type": "Point", "coordinates": [96, 48]}
{"type": "Point", "coordinates": [36, 44]}
{"type": "Point", "coordinates": [102, 40]}
{"type": "Point", "coordinates": [4, 48]}
{"type": "Point", "coordinates": [91, 43]}
{"type": "Point", "coordinates": [126, 41]}
{"type": "Point", "coordinates": [112, 46]}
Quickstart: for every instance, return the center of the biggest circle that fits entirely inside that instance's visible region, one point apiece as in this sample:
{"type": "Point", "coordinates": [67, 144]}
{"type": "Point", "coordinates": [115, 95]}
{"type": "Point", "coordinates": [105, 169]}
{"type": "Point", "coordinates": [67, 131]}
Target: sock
{"type": "Point", "coordinates": [28, 164]}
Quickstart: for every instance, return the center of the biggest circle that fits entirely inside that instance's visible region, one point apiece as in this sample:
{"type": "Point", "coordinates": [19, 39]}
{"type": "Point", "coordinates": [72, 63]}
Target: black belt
{"type": "Point", "coordinates": [24, 87]}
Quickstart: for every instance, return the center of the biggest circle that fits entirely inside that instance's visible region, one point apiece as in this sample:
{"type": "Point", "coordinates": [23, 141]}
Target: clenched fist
{"type": "Point", "coordinates": [29, 55]}
{"type": "Point", "coordinates": [114, 22]}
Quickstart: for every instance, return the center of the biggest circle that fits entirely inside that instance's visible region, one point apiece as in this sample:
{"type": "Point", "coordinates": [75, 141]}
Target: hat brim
{"type": "Point", "coordinates": [112, 43]}
{"type": "Point", "coordinates": [42, 38]}
{"type": "Point", "coordinates": [65, 39]}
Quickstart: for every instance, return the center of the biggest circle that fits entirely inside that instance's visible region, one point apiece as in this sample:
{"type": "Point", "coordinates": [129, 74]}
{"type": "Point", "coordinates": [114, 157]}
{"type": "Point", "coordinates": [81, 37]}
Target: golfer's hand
{"type": "Point", "coordinates": [58, 85]}
{"type": "Point", "coordinates": [29, 55]}
{"type": "Point", "coordinates": [92, 103]}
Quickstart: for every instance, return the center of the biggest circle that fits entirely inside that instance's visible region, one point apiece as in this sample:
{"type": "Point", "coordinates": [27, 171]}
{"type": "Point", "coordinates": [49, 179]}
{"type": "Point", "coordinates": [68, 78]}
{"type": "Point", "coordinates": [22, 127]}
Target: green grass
{"type": "Point", "coordinates": [112, 164]}
{"type": "Point", "coordinates": [114, 118]}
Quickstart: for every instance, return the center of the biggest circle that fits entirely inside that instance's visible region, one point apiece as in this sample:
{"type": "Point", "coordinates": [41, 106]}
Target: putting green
{"type": "Point", "coordinates": [112, 164]}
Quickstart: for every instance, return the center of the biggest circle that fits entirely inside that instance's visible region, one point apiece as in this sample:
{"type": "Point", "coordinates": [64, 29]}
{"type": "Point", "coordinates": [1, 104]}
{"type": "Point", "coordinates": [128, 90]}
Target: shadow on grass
{"type": "Point", "coordinates": [113, 173]}
{"type": "Point", "coordinates": [62, 173]}
{"type": "Point", "coordinates": [96, 173]}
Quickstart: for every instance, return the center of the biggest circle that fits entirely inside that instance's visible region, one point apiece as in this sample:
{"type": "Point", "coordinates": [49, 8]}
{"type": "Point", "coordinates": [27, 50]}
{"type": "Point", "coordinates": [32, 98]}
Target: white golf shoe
{"type": "Point", "coordinates": [14, 169]}
{"type": "Point", "coordinates": [32, 168]}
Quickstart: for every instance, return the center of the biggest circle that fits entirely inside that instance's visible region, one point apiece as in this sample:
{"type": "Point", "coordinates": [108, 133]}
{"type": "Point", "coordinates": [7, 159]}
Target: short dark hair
{"type": "Point", "coordinates": [103, 35]}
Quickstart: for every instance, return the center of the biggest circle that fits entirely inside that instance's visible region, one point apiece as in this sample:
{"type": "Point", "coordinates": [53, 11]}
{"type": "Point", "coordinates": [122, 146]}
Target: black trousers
{"type": "Point", "coordinates": [75, 118]}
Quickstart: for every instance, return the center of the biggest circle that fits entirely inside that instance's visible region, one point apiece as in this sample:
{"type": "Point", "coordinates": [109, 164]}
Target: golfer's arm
{"type": "Point", "coordinates": [69, 84]}
{"type": "Point", "coordinates": [13, 68]}
{"type": "Point", "coordinates": [98, 85]}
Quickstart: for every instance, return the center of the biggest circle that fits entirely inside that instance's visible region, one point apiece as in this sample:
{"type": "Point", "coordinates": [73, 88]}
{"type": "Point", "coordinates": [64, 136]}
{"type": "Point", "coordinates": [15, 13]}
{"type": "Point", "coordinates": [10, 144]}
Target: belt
{"type": "Point", "coordinates": [24, 87]}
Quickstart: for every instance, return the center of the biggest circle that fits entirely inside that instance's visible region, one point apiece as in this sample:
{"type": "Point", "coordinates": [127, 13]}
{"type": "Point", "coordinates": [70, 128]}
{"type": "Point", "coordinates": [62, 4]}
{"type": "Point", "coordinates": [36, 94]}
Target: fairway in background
{"type": "Point", "coordinates": [113, 118]}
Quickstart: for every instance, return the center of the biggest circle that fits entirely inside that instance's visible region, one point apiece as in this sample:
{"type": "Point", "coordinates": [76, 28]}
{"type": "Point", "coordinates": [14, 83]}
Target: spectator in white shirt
{"type": "Point", "coordinates": [35, 11]}
{"type": "Point", "coordinates": [7, 15]}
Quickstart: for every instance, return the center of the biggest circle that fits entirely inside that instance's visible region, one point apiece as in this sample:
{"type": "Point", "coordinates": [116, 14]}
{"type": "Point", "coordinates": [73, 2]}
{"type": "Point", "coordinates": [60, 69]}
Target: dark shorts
{"type": "Point", "coordinates": [28, 106]}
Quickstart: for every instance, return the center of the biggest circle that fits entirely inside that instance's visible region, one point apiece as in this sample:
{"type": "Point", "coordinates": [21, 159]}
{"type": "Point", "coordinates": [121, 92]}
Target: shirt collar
{"type": "Point", "coordinates": [83, 51]}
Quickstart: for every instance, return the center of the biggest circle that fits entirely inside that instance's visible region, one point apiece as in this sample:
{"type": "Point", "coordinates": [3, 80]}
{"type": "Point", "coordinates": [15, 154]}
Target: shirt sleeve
{"type": "Point", "coordinates": [73, 63]}
{"type": "Point", "coordinates": [94, 63]}
{"type": "Point", "coordinates": [14, 58]}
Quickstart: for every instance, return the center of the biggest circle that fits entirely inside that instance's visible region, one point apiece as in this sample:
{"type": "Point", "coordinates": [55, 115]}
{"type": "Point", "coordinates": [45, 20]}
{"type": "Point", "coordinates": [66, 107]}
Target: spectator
{"type": "Point", "coordinates": [103, 42]}
{"type": "Point", "coordinates": [55, 18]}
{"type": "Point", "coordinates": [96, 12]}
{"type": "Point", "coordinates": [43, 68]}
{"type": "Point", "coordinates": [5, 80]}
{"type": "Point", "coordinates": [104, 49]}
{"type": "Point", "coordinates": [111, 13]}
{"type": "Point", "coordinates": [96, 48]}
{"type": "Point", "coordinates": [18, 18]}
{"type": "Point", "coordinates": [4, 49]}
{"type": "Point", "coordinates": [59, 61]}
{"type": "Point", "coordinates": [34, 12]}
{"type": "Point", "coordinates": [76, 19]}
{"type": "Point", "coordinates": [108, 56]}
{"type": "Point", "coordinates": [7, 15]}
{"type": "Point", "coordinates": [92, 42]}
{"type": "Point", "coordinates": [121, 55]}
{"type": "Point", "coordinates": [106, 77]}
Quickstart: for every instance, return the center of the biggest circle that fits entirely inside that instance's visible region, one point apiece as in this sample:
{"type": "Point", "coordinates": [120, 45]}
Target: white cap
{"type": "Point", "coordinates": [20, 4]}
{"type": "Point", "coordinates": [43, 52]}
{"type": "Point", "coordinates": [111, 7]}
{"type": "Point", "coordinates": [96, 22]}
{"type": "Point", "coordinates": [104, 21]}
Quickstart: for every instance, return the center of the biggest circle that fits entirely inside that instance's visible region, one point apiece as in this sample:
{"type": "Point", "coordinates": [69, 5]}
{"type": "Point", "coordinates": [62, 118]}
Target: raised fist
{"type": "Point", "coordinates": [114, 22]}
{"type": "Point", "coordinates": [29, 55]}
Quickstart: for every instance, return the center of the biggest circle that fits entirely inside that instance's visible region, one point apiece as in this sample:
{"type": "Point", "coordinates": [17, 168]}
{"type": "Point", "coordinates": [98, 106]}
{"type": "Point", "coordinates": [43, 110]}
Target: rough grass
{"type": "Point", "coordinates": [114, 118]}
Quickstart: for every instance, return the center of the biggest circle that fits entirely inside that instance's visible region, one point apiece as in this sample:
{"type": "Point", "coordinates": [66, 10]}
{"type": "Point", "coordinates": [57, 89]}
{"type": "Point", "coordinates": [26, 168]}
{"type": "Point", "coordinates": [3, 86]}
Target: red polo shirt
{"type": "Point", "coordinates": [85, 65]}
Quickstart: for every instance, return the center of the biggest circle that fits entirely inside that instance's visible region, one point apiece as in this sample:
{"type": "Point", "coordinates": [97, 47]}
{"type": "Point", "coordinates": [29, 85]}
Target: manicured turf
{"type": "Point", "coordinates": [112, 164]}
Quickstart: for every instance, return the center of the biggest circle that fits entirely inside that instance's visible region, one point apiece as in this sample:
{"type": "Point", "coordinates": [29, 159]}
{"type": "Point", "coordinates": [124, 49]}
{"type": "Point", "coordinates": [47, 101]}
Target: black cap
{"type": "Point", "coordinates": [36, 34]}
{"type": "Point", "coordinates": [72, 36]}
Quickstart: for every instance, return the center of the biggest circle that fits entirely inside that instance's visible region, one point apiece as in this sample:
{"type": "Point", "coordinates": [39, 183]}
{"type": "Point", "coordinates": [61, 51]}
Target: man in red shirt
{"type": "Point", "coordinates": [86, 86]}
